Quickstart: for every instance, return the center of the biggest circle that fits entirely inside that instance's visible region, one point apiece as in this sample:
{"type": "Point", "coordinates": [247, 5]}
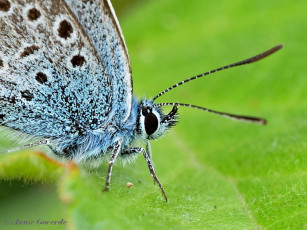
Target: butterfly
{"type": "Point", "coordinates": [66, 79]}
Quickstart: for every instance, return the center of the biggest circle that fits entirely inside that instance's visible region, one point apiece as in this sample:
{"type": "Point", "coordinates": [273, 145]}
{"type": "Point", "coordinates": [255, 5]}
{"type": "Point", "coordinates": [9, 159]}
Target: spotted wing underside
{"type": "Point", "coordinates": [64, 68]}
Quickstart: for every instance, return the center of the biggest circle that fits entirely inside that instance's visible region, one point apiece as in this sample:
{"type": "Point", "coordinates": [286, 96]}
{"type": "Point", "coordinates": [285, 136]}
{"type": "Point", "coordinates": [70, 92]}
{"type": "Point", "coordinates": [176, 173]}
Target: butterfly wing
{"type": "Point", "coordinates": [64, 68]}
{"type": "Point", "coordinates": [102, 27]}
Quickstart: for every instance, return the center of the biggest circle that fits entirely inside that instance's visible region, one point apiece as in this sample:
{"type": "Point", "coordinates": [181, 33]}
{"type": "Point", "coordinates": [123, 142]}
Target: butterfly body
{"type": "Point", "coordinates": [95, 143]}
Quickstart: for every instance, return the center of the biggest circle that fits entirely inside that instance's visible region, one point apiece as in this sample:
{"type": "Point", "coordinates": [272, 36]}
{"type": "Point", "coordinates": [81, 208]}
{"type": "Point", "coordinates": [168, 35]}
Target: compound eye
{"type": "Point", "coordinates": [151, 123]}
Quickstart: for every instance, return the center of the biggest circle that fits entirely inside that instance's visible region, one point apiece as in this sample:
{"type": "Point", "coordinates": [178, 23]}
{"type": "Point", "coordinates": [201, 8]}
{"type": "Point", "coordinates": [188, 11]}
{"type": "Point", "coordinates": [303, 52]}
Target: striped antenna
{"type": "Point", "coordinates": [246, 61]}
{"type": "Point", "coordinates": [258, 120]}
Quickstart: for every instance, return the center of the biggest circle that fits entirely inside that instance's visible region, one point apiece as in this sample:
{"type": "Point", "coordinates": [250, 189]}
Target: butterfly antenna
{"type": "Point", "coordinates": [246, 61]}
{"type": "Point", "coordinates": [252, 119]}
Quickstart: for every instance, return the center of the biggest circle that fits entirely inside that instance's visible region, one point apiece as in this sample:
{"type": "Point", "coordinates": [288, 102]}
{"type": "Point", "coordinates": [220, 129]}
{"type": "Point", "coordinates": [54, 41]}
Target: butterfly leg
{"type": "Point", "coordinates": [40, 142]}
{"type": "Point", "coordinates": [114, 155]}
{"type": "Point", "coordinates": [150, 166]}
{"type": "Point", "coordinates": [148, 150]}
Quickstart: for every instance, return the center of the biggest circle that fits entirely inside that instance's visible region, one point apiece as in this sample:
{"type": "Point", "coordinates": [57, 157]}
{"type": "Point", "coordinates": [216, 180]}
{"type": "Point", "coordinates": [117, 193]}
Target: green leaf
{"type": "Point", "coordinates": [30, 165]}
{"type": "Point", "coordinates": [217, 173]}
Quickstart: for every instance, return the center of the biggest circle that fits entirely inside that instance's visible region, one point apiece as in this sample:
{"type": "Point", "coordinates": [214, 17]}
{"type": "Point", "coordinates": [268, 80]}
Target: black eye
{"type": "Point", "coordinates": [151, 123]}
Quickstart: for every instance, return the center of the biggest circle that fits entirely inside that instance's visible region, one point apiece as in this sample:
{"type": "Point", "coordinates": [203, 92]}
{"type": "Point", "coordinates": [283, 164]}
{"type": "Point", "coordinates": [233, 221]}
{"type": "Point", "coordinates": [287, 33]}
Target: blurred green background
{"type": "Point", "coordinates": [217, 173]}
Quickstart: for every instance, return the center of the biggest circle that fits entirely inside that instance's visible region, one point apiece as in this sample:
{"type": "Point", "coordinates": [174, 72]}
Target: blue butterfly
{"type": "Point", "coordinates": [65, 79]}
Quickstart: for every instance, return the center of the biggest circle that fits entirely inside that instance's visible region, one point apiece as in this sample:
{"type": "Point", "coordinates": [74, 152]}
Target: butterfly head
{"type": "Point", "coordinates": [152, 122]}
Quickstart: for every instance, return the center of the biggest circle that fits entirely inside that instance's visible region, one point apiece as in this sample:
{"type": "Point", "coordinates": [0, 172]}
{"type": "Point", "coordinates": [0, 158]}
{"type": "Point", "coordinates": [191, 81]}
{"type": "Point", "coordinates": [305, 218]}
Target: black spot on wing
{"type": "Point", "coordinates": [41, 77]}
{"type": "Point", "coordinates": [77, 60]}
{"type": "Point", "coordinates": [65, 29]}
{"type": "Point", "coordinates": [33, 14]}
{"type": "Point", "coordinates": [1, 63]}
{"type": "Point", "coordinates": [29, 50]}
{"type": "Point", "coordinates": [5, 5]}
